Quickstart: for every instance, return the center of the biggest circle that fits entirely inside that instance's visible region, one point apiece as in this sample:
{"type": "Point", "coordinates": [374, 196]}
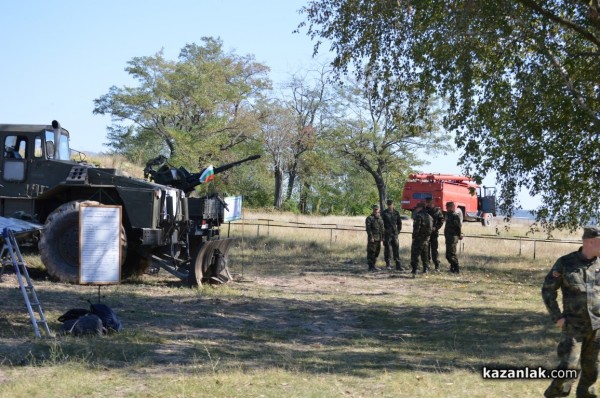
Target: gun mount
{"type": "Point", "coordinates": [180, 178]}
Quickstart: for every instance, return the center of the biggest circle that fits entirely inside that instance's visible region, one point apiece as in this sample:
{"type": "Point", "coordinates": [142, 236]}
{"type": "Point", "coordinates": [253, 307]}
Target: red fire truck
{"type": "Point", "coordinates": [474, 202]}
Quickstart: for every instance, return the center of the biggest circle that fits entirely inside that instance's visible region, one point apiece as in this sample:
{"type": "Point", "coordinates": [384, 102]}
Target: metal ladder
{"type": "Point", "coordinates": [32, 302]}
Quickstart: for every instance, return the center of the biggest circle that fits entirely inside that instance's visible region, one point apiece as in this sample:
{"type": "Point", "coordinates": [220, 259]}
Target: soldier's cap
{"type": "Point", "coordinates": [389, 201]}
{"type": "Point", "coordinates": [375, 207]}
{"type": "Point", "coordinates": [591, 232]}
{"type": "Point", "coordinates": [429, 200]}
{"type": "Point", "coordinates": [449, 204]}
{"type": "Point", "coordinates": [420, 205]}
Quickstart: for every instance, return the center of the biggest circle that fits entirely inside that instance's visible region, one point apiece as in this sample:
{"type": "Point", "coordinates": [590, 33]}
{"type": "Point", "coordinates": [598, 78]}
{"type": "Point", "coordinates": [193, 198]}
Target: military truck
{"type": "Point", "coordinates": [162, 225]}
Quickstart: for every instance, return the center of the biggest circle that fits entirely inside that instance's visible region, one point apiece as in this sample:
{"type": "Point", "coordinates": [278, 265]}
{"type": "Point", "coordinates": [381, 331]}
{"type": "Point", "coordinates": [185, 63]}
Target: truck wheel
{"type": "Point", "coordinates": [59, 243]}
{"type": "Point", "coordinates": [210, 263]}
{"type": "Point", "coordinates": [486, 219]}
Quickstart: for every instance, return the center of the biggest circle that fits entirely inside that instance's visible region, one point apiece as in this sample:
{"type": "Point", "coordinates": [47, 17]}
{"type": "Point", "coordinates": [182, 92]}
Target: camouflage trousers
{"type": "Point", "coordinates": [451, 256]}
{"type": "Point", "coordinates": [577, 350]}
{"type": "Point", "coordinates": [434, 256]}
{"type": "Point", "coordinates": [391, 246]}
{"type": "Point", "coordinates": [419, 248]}
{"type": "Point", "coordinates": [373, 249]}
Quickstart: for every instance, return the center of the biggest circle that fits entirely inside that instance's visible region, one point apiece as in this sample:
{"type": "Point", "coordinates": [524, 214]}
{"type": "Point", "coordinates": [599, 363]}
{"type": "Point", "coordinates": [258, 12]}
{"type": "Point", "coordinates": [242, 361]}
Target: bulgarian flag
{"type": "Point", "coordinates": [207, 175]}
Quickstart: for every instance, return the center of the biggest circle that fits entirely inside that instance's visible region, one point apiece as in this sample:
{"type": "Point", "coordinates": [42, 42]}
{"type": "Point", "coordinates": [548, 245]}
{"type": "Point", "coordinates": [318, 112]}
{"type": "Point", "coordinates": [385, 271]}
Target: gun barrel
{"type": "Point", "coordinates": [227, 166]}
{"type": "Point", "coordinates": [194, 179]}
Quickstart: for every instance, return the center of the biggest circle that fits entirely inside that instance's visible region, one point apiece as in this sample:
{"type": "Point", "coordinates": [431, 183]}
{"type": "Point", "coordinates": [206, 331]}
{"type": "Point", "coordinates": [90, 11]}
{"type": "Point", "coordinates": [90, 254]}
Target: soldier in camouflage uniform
{"type": "Point", "coordinates": [393, 226]}
{"type": "Point", "coordinates": [422, 225]}
{"type": "Point", "coordinates": [375, 230]}
{"type": "Point", "coordinates": [452, 234]}
{"type": "Point", "coordinates": [577, 275]}
{"type": "Point", "coordinates": [438, 220]}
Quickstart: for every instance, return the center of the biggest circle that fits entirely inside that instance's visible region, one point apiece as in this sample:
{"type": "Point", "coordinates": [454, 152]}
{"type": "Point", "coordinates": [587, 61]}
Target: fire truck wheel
{"type": "Point", "coordinates": [59, 243]}
{"type": "Point", "coordinates": [486, 219]}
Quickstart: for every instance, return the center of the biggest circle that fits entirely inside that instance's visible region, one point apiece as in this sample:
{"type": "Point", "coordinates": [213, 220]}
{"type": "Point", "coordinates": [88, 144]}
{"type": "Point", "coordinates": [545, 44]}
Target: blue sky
{"type": "Point", "coordinates": [58, 56]}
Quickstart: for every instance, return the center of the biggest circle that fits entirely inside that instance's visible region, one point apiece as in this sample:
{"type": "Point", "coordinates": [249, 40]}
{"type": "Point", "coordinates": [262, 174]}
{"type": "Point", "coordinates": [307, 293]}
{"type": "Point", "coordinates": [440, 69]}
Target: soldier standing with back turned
{"type": "Point", "coordinates": [422, 225]}
{"type": "Point", "coordinates": [452, 234]}
{"type": "Point", "coordinates": [375, 230]}
{"type": "Point", "coordinates": [577, 275]}
{"type": "Point", "coordinates": [438, 220]}
{"type": "Point", "coordinates": [393, 226]}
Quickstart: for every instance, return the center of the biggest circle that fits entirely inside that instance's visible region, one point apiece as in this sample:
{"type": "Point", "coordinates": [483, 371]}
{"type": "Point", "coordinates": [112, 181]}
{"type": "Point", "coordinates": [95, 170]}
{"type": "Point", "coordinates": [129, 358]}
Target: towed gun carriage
{"type": "Point", "coordinates": [161, 224]}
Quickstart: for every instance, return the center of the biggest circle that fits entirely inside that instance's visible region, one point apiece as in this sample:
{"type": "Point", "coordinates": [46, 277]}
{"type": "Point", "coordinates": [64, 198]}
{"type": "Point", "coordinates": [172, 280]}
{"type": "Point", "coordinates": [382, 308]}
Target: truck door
{"type": "Point", "coordinates": [488, 200]}
{"type": "Point", "coordinates": [14, 164]}
{"type": "Point", "coordinates": [13, 174]}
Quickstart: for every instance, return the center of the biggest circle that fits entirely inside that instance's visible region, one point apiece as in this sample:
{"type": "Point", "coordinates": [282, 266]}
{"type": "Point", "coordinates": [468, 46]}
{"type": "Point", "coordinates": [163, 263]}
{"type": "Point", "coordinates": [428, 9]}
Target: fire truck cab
{"type": "Point", "coordinates": [473, 202]}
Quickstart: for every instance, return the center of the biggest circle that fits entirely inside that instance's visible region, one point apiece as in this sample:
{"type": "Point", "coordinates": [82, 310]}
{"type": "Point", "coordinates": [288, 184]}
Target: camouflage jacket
{"type": "Point", "coordinates": [422, 225]}
{"type": "Point", "coordinates": [374, 227]}
{"type": "Point", "coordinates": [392, 222]}
{"type": "Point", "coordinates": [579, 281]}
{"type": "Point", "coordinates": [453, 225]}
{"type": "Point", "coordinates": [438, 219]}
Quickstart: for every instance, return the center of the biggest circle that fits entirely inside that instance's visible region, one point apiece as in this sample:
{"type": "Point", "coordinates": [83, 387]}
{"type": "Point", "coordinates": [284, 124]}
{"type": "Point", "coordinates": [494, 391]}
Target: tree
{"type": "Point", "coordinates": [309, 98]}
{"type": "Point", "coordinates": [381, 135]}
{"type": "Point", "coordinates": [195, 109]}
{"type": "Point", "coordinates": [278, 133]}
{"type": "Point", "coordinates": [520, 79]}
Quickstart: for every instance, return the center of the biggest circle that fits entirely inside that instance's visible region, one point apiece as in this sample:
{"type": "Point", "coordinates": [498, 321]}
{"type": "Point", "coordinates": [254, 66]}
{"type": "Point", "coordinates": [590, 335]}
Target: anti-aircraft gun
{"type": "Point", "coordinates": [161, 224]}
{"type": "Point", "coordinates": [180, 178]}
{"type": "Point", "coordinates": [205, 216]}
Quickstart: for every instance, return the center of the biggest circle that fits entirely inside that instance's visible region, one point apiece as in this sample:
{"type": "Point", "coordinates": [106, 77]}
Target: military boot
{"type": "Point", "coordinates": [414, 271]}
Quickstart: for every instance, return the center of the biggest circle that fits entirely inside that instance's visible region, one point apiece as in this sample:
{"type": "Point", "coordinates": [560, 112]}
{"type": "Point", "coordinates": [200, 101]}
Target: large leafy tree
{"type": "Point", "coordinates": [194, 110]}
{"type": "Point", "coordinates": [520, 77]}
{"type": "Point", "coordinates": [309, 97]}
{"type": "Point", "coordinates": [382, 135]}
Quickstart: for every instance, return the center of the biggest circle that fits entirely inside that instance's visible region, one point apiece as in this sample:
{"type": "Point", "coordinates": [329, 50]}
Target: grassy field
{"type": "Point", "coordinates": [303, 318]}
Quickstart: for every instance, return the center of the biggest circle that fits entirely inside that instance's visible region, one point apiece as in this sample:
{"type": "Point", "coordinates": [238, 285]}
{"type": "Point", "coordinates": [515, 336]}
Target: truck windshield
{"type": "Point", "coordinates": [60, 149]}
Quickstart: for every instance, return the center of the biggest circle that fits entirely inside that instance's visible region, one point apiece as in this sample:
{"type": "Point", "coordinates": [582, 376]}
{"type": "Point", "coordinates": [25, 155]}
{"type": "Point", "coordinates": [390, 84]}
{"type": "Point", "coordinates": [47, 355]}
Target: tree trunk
{"type": "Point", "coordinates": [291, 179]}
{"type": "Point", "coordinates": [381, 189]}
{"type": "Point", "coordinates": [278, 187]}
{"type": "Point", "coordinates": [303, 201]}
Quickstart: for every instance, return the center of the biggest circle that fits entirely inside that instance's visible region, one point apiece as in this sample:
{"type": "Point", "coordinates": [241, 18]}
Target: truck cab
{"type": "Point", "coordinates": [30, 161]}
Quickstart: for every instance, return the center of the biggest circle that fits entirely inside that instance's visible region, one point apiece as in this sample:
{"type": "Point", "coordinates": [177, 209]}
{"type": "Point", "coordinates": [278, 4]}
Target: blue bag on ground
{"type": "Point", "coordinates": [73, 314]}
{"type": "Point", "coordinates": [88, 324]}
{"type": "Point", "coordinates": [110, 320]}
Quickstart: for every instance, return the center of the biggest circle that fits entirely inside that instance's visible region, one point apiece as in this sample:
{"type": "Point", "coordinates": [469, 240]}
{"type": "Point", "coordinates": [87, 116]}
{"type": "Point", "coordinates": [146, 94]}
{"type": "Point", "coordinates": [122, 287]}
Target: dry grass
{"type": "Point", "coordinates": [302, 319]}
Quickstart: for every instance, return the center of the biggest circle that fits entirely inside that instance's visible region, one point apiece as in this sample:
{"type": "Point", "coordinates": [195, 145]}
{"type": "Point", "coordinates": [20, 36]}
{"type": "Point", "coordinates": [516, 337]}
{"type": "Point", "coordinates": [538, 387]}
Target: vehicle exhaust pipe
{"type": "Point", "coordinates": [56, 127]}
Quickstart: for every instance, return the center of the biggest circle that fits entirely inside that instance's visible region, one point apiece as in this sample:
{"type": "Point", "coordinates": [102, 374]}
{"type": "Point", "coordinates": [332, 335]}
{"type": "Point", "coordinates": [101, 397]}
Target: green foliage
{"type": "Point", "coordinates": [193, 110]}
{"type": "Point", "coordinates": [381, 135]}
{"type": "Point", "coordinates": [520, 80]}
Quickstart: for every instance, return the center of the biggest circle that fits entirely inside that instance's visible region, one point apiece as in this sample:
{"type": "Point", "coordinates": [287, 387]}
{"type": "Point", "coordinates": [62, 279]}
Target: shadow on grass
{"type": "Point", "coordinates": [244, 326]}
{"type": "Point", "coordinates": [312, 335]}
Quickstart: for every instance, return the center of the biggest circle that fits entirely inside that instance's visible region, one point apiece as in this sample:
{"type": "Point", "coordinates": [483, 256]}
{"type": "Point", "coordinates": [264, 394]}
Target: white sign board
{"type": "Point", "coordinates": [234, 204]}
{"type": "Point", "coordinates": [99, 244]}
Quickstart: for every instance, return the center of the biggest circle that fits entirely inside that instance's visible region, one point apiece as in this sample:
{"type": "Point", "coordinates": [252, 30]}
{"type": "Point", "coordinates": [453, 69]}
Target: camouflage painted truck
{"type": "Point", "coordinates": [162, 226]}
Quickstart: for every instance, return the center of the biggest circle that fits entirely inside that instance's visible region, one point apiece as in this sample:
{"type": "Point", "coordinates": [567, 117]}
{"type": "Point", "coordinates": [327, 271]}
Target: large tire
{"type": "Point", "coordinates": [211, 263]}
{"type": "Point", "coordinates": [59, 243]}
{"type": "Point", "coordinates": [487, 219]}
